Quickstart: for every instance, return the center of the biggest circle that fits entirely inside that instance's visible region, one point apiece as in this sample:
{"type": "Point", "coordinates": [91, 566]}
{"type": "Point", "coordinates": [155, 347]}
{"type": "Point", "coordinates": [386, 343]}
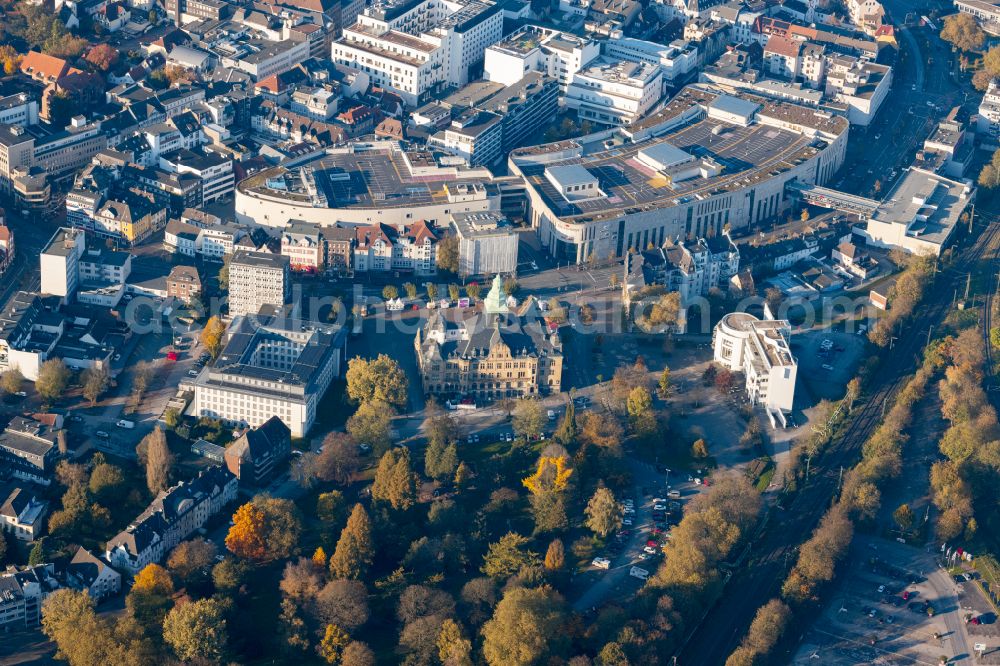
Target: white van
{"type": "Point", "coordinates": [638, 572]}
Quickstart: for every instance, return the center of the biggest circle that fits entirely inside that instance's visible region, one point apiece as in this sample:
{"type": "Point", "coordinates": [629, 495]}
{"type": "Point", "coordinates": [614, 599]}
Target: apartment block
{"type": "Point", "coordinates": [257, 279]}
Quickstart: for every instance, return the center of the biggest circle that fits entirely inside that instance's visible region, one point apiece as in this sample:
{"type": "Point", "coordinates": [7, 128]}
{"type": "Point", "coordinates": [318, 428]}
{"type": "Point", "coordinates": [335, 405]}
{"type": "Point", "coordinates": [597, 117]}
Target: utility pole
{"type": "Point", "coordinates": [968, 285]}
{"type": "Point", "coordinates": [972, 216]}
{"type": "Point", "coordinates": [929, 335]}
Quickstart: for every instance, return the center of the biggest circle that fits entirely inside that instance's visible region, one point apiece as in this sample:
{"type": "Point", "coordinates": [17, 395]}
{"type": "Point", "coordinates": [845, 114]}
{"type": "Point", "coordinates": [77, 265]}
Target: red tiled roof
{"type": "Point", "coordinates": [45, 67]}
{"type": "Point", "coordinates": [783, 46]}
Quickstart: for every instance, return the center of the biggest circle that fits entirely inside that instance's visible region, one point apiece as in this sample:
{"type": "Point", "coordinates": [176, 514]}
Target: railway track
{"type": "Point", "coordinates": [722, 628]}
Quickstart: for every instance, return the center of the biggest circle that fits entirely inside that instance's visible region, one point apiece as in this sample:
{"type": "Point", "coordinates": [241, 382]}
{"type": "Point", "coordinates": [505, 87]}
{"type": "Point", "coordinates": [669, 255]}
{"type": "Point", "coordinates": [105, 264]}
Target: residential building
{"type": "Point", "coordinates": [183, 283]}
{"type": "Point", "coordinates": [214, 171]}
{"type": "Point", "coordinates": [987, 123]}
{"type": "Point", "coordinates": [677, 61]}
{"type": "Point", "coordinates": [476, 136]}
{"type": "Point", "coordinates": [338, 245]}
{"type": "Point", "coordinates": [536, 49]}
{"type": "Point", "coordinates": [487, 243]}
{"type": "Point", "coordinates": [854, 260]}
{"type": "Point", "coordinates": [303, 244]}
{"type": "Point", "coordinates": [759, 349]}
{"type": "Point", "coordinates": [69, 264]}
{"type": "Point", "coordinates": [22, 591]}
{"type": "Point", "coordinates": [257, 279]}
{"type": "Point", "coordinates": [17, 150]}
{"type": "Point", "coordinates": [29, 449]}
{"type": "Point", "coordinates": [174, 515]}
{"type": "Point", "coordinates": [271, 366]}
{"type": "Point", "coordinates": [489, 353]}
{"type": "Point", "coordinates": [691, 269]}
{"type": "Point", "coordinates": [22, 512]}
{"type": "Point", "coordinates": [254, 456]}
{"type": "Point", "coordinates": [412, 47]}
{"type": "Point", "coordinates": [383, 248]}
{"type": "Point", "coordinates": [181, 237]}
{"type": "Point", "coordinates": [90, 573]}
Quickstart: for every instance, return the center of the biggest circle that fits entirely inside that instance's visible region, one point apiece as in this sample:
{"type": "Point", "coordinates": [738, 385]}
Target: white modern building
{"type": "Point", "coordinates": [269, 367]}
{"type": "Point", "coordinates": [988, 121]}
{"type": "Point", "coordinates": [412, 47]}
{"type": "Point", "coordinates": [614, 92]}
{"type": "Point", "coordinates": [71, 269]}
{"type": "Point", "coordinates": [536, 49]}
{"type": "Point", "coordinates": [759, 349]}
{"type": "Point", "coordinates": [257, 279]}
{"type": "Point", "coordinates": [677, 60]}
{"type": "Point", "coordinates": [487, 243]}
{"type": "Point", "coordinates": [920, 214]}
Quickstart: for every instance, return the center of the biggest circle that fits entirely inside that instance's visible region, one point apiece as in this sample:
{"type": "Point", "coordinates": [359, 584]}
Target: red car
{"type": "Point", "coordinates": [171, 356]}
{"type": "Point", "coordinates": [652, 543]}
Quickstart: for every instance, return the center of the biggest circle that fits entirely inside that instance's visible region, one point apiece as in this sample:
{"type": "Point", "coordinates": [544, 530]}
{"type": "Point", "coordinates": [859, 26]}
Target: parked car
{"type": "Point", "coordinates": [128, 425]}
{"type": "Point", "coordinates": [659, 507]}
{"type": "Point", "coordinates": [601, 563]}
{"type": "Point", "coordinates": [21, 394]}
{"type": "Point", "coordinates": [827, 367]}
{"type": "Point", "coordinates": [102, 435]}
{"type": "Point", "coordinates": [650, 550]}
{"type": "Point", "coordinates": [638, 572]}
{"type": "Point", "coordinates": [674, 494]}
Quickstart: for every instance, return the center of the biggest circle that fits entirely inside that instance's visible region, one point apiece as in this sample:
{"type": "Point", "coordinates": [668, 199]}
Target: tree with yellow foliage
{"type": "Point", "coordinates": [547, 484]}
{"type": "Point", "coordinates": [319, 558]}
{"type": "Point", "coordinates": [552, 474]}
{"type": "Point", "coordinates": [246, 536]}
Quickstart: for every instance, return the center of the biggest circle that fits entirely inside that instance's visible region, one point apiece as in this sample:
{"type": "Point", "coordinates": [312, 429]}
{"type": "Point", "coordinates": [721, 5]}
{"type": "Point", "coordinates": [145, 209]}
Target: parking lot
{"type": "Point", "coordinates": [894, 605]}
{"type": "Point", "coordinates": [827, 361]}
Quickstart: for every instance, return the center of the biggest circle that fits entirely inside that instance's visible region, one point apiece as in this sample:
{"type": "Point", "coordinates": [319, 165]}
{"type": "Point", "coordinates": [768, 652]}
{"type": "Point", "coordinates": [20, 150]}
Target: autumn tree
{"type": "Point", "coordinates": [454, 649]}
{"type": "Point", "coordinates": [390, 292]}
{"type": "Point", "coordinates": [159, 460]}
{"type": "Point", "coordinates": [10, 59]}
{"type": "Point", "coordinates": [150, 598]}
{"type": "Point", "coordinates": [524, 628]}
{"type": "Point", "coordinates": [602, 431]}
{"type": "Point", "coordinates": [508, 556]}
{"type": "Point", "coordinates": [371, 426]}
{"type": "Point", "coordinates": [903, 516]}
{"type": "Point", "coordinates": [265, 529]}
{"type": "Point", "coordinates": [963, 32]}
{"type": "Point", "coordinates": [529, 418]}
{"type": "Point", "coordinates": [82, 637]}
{"type": "Point", "coordinates": [95, 383]}
{"type": "Point", "coordinates": [663, 385]}
{"type": "Point", "coordinates": [380, 379]}
{"type": "Point", "coordinates": [334, 641]}
{"type": "Point", "coordinates": [555, 556]}
{"type": "Point", "coordinates": [197, 631]}
{"type": "Point", "coordinates": [190, 559]}
{"type": "Point", "coordinates": [103, 57]}
{"type": "Point", "coordinates": [565, 434]}
{"type": "Point", "coordinates": [53, 378]}
{"type": "Point", "coordinates": [699, 450]}
{"type": "Point", "coordinates": [338, 460]}
{"type": "Point", "coordinates": [342, 602]}
{"type": "Point", "coordinates": [395, 483]}
{"type": "Point", "coordinates": [603, 515]}
{"type": "Point", "coordinates": [547, 486]}
{"type": "Point", "coordinates": [354, 551]}
{"type": "Point", "coordinates": [211, 335]}
{"type": "Point", "coordinates": [640, 412]}
{"type": "Point", "coordinates": [11, 380]}
{"type": "Point", "coordinates": [447, 254]}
